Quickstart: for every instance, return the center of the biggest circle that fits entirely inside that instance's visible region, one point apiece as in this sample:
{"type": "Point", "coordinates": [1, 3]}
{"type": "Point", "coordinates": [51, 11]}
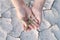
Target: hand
{"type": "Point", "coordinates": [31, 19]}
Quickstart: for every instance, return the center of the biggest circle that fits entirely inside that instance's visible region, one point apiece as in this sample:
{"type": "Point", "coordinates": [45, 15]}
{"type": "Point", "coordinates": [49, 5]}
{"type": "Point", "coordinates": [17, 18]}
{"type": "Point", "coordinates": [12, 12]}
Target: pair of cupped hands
{"type": "Point", "coordinates": [30, 17]}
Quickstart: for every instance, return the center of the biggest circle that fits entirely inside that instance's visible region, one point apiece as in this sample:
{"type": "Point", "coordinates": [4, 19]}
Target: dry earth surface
{"type": "Point", "coordinates": [11, 28]}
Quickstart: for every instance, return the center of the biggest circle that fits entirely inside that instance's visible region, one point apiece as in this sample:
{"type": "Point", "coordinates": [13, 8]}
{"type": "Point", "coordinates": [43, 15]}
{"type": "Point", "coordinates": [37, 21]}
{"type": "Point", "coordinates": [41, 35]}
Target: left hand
{"type": "Point", "coordinates": [34, 20]}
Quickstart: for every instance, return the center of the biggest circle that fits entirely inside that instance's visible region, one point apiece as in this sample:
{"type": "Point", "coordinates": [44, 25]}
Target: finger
{"type": "Point", "coordinates": [28, 29]}
{"type": "Point", "coordinates": [24, 27]}
{"type": "Point", "coordinates": [24, 24]}
{"type": "Point", "coordinates": [36, 25]}
{"type": "Point", "coordinates": [36, 21]}
{"type": "Point", "coordinates": [33, 19]}
{"type": "Point", "coordinates": [31, 26]}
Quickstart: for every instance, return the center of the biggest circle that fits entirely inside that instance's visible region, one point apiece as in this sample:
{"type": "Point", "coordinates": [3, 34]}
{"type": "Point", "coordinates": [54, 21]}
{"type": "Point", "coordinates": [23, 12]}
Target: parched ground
{"type": "Point", "coordinates": [11, 28]}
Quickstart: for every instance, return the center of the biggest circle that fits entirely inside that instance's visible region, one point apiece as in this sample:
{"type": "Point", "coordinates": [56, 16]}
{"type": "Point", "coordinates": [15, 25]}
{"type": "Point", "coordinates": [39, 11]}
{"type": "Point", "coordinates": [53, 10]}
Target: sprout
{"type": "Point", "coordinates": [29, 21]}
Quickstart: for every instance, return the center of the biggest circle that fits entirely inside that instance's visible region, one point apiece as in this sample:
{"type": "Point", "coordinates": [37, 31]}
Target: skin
{"type": "Point", "coordinates": [31, 17]}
